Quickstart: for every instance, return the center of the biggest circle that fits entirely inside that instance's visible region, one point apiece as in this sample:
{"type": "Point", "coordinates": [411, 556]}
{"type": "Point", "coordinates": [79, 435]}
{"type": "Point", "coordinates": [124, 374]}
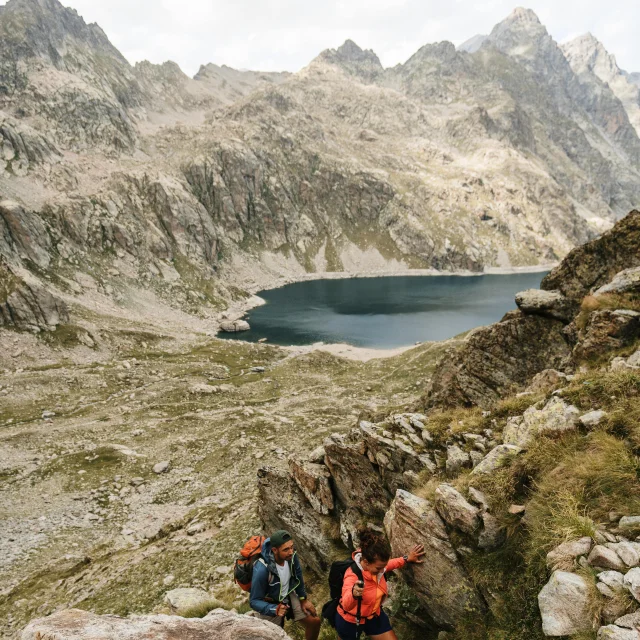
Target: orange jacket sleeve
{"type": "Point", "coordinates": [349, 603]}
{"type": "Point", "coordinates": [395, 563]}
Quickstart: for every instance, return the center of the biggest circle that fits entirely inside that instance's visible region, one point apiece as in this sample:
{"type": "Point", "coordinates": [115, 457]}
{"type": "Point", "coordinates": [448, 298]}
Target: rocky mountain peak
{"type": "Point", "coordinates": [521, 15]}
{"type": "Point", "coordinates": [586, 51]}
{"type": "Point", "coordinates": [357, 61]}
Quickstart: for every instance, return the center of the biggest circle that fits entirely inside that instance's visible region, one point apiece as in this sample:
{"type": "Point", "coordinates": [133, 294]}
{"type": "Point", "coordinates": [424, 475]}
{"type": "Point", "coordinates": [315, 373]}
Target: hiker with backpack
{"type": "Point", "coordinates": [277, 585]}
{"type": "Point", "coordinates": [364, 588]}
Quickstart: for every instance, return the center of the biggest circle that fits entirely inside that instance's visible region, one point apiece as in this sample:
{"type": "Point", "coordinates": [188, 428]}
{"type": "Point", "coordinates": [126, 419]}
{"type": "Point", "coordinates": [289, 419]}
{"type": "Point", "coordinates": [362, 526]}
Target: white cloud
{"type": "Point", "coordinates": [288, 34]}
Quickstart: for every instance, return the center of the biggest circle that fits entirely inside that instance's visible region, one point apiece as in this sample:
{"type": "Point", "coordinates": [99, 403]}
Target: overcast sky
{"type": "Point", "coordinates": [275, 35]}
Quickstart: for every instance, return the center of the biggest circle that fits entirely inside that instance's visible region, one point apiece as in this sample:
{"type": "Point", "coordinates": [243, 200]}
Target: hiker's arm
{"type": "Point", "coordinates": [300, 590]}
{"type": "Point", "coordinates": [348, 601]}
{"type": "Point", "coordinates": [259, 585]}
{"type": "Point", "coordinates": [395, 563]}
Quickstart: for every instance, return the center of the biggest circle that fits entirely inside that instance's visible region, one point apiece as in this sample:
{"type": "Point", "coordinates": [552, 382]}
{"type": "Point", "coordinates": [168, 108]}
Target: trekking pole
{"type": "Point", "coordinates": [360, 583]}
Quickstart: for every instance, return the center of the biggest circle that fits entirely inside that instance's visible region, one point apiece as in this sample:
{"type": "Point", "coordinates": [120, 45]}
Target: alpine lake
{"type": "Point", "coordinates": [382, 312]}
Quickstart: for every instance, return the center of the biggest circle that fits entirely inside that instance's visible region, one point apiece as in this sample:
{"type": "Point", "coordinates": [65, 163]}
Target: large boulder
{"type": "Point", "coordinates": [565, 604]}
{"type": "Point", "coordinates": [497, 458]}
{"type": "Point", "coordinates": [554, 418]}
{"type": "Point", "coordinates": [74, 624]}
{"type": "Point", "coordinates": [497, 359]}
{"type": "Point", "coordinates": [283, 505]}
{"type": "Point", "coordinates": [550, 304]}
{"type": "Point", "coordinates": [234, 326]}
{"type": "Point", "coordinates": [595, 263]}
{"type": "Point", "coordinates": [441, 582]}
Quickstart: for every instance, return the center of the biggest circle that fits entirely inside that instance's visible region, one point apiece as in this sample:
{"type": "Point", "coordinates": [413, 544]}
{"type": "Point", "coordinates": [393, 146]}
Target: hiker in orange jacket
{"type": "Point", "coordinates": [373, 559]}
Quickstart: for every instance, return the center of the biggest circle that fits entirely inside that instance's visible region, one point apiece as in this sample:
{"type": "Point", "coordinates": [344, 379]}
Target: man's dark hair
{"type": "Point", "coordinates": [374, 546]}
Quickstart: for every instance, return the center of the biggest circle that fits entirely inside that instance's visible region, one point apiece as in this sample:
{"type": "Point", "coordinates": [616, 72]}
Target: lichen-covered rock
{"type": "Point", "coordinates": [498, 457]}
{"type": "Point", "coordinates": [613, 632]}
{"type": "Point", "coordinates": [595, 263]}
{"type": "Point", "coordinates": [606, 331]}
{"type": "Point", "coordinates": [181, 601]}
{"type": "Point", "coordinates": [282, 505]}
{"type": "Point", "coordinates": [632, 582]}
{"type": "Point", "coordinates": [554, 418]}
{"type": "Point", "coordinates": [234, 326]}
{"type": "Point", "coordinates": [627, 281]}
{"type": "Point", "coordinates": [547, 380]}
{"type": "Point", "coordinates": [75, 624]}
{"type": "Point", "coordinates": [550, 304]}
{"type": "Point", "coordinates": [564, 605]}
{"type": "Point", "coordinates": [441, 583]}
{"type": "Point", "coordinates": [605, 558]}
{"type": "Point", "coordinates": [497, 359]}
{"type": "Point", "coordinates": [28, 306]}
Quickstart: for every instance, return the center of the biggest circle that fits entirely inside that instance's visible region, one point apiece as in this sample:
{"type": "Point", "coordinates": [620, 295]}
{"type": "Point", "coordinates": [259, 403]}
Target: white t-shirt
{"type": "Point", "coordinates": [285, 577]}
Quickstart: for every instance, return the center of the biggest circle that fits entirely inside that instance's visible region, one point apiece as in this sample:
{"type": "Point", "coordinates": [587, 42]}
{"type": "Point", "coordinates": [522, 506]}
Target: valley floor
{"type": "Point", "coordinates": [86, 520]}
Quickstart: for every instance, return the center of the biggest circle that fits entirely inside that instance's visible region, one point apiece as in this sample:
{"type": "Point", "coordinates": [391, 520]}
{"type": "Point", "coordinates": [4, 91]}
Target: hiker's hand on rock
{"type": "Point", "coordinates": [308, 608]}
{"type": "Point", "coordinates": [281, 610]}
{"type": "Point", "coordinates": [416, 554]}
{"type": "Point", "coordinates": [358, 590]}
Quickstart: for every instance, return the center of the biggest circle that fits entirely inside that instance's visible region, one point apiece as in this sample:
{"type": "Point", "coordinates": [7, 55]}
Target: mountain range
{"type": "Point", "coordinates": [507, 151]}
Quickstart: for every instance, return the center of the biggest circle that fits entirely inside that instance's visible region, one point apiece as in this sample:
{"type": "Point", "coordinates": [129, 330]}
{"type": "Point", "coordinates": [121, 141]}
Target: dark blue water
{"type": "Point", "coordinates": [383, 312]}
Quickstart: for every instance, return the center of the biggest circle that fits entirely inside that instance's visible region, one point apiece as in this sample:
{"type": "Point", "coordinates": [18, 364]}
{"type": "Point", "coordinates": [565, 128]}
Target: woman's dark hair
{"type": "Point", "coordinates": [374, 545]}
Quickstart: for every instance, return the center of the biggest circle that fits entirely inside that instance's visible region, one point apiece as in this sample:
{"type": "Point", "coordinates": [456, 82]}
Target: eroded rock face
{"type": "Point", "coordinates": [74, 624]}
{"type": "Point", "coordinates": [441, 584]}
{"type": "Point", "coordinates": [282, 505]}
{"type": "Point", "coordinates": [357, 484]}
{"type": "Point", "coordinates": [314, 482]}
{"type": "Point", "coordinates": [497, 358]}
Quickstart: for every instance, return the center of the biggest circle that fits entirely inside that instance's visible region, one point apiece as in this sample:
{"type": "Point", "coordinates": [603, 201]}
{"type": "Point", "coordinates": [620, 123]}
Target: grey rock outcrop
{"type": "Point", "coordinates": [555, 417]}
{"type": "Point", "coordinates": [454, 509]}
{"type": "Point", "coordinates": [314, 482]}
{"type": "Point", "coordinates": [75, 624]}
{"type": "Point", "coordinates": [498, 457]}
{"type": "Point", "coordinates": [28, 307]}
{"type": "Point", "coordinates": [606, 331]}
{"type": "Point", "coordinates": [441, 584]}
{"type": "Point", "coordinates": [627, 281]}
{"type": "Point", "coordinates": [550, 304]}
{"type": "Point", "coordinates": [613, 632]}
{"type": "Point", "coordinates": [564, 605]}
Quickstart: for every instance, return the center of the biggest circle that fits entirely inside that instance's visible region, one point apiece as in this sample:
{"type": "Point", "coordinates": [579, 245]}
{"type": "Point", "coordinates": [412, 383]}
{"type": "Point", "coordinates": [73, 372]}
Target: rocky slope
{"type": "Point", "coordinates": [527, 505]}
{"type": "Point", "coordinates": [223, 183]}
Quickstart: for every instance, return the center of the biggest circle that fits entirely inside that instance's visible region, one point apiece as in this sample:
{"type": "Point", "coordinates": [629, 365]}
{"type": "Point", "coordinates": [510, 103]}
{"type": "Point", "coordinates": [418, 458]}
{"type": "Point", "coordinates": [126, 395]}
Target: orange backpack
{"type": "Point", "coordinates": [243, 566]}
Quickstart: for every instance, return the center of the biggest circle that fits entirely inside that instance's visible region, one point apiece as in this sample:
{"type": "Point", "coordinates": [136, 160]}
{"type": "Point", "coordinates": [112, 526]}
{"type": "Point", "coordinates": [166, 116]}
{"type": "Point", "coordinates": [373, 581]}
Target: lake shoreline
{"type": "Point", "coordinates": [343, 349]}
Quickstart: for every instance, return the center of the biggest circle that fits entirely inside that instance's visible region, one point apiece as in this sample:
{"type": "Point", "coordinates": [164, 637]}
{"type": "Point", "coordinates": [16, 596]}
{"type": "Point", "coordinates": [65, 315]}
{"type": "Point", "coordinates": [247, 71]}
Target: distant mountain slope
{"type": "Point", "coordinates": [508, 156]}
